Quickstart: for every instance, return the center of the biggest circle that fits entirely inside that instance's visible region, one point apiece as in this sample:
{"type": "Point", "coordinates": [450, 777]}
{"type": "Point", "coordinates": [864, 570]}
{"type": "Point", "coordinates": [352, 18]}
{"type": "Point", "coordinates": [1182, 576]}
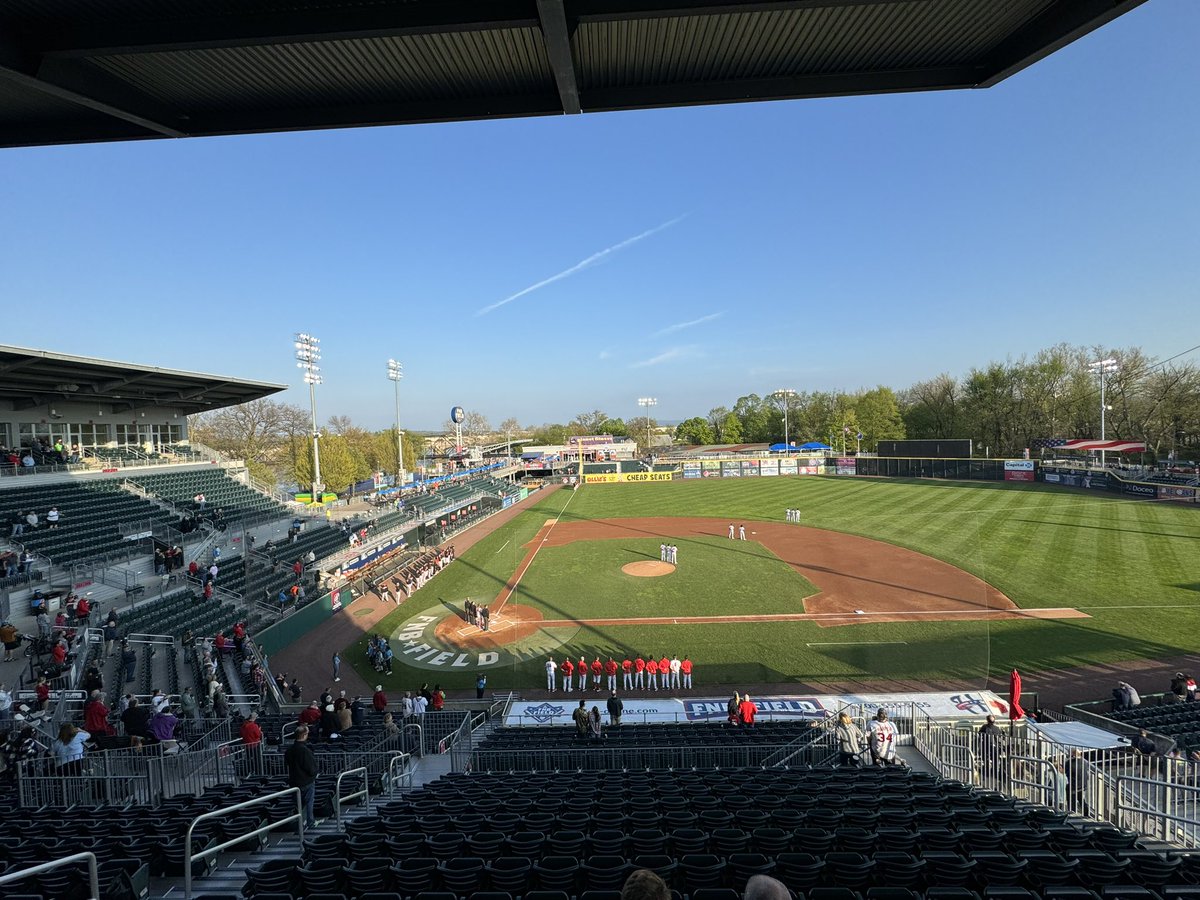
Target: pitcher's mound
{"type": "Point", "coordinates": [648, 569]}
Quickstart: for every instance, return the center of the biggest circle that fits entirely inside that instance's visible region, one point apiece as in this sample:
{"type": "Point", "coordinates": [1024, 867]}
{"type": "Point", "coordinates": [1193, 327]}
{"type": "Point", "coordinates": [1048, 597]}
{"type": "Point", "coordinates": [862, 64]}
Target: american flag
{"type": "Point", "coordinates": [1118, 446]}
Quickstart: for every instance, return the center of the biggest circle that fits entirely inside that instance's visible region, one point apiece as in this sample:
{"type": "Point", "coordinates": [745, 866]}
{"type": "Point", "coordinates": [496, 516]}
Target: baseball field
{"type": "Point", "coordinates": [882, 580]}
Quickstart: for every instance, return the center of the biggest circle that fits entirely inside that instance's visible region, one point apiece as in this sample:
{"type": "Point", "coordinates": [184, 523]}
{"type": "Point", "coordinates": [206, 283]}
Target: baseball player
{"type": "Point", "coordinates": [664, 671]}
{"type": "Point", "coordinates": [652, 674]}
{"type": "Point", "coordinates": [597, 668]}
{"type": "Point", "coordinates": [685, 668]}
{"type": "Point", "coordinates": [662, 552]}
{"type": "Point", "coordinates": [627, 670]}
{"type": "Point", "coordinates": [742, 532]}
{"type": "Point", "coordinates": [581, 668]}
{"type": "Point", "coordinates": [610, 669]}
{"type": "Point", "coordinates": [568, 672]}
{"type": "Point", "coordinates": [639, 669]}
{"type": "Point", "coordinates": [551, 668]}
{"type": "Point", "coordinates": [731, 531]}
{"type": "Point", "coordinates": [676, 665]}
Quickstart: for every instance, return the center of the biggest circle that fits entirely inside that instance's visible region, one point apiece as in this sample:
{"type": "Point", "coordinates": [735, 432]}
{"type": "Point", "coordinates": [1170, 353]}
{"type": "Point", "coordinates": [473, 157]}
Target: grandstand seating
{"type": "Point", "coordinates": [1180, 721]}
{"type": "Point", "coordinates": [91, 511]}
{"type": "Point", "coordinates": [220, 492]}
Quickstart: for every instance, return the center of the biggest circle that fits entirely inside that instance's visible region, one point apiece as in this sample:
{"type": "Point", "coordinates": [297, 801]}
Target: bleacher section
{"type": "Point", "coordinates": [91, 515]}
{"type": "Point", "coordinates": [266, 578]}
{"type": "Point", "coordinates": [1180, 721]}
{"type": "Point", "coordinates": [220, 491]}
{"type": "Point", "coordinates": [826, 833]}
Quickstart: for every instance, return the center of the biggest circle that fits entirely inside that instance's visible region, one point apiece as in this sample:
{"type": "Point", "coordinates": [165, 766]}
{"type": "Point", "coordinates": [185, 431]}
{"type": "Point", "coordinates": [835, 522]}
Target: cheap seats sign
{"type": "Point", "coordinates": [1018, 470]}
{"type": "Point", "coordinates": [615, 477]}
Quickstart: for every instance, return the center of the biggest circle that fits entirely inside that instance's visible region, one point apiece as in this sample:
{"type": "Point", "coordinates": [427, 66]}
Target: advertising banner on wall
{"type": "Point", "coordinates": [749, 467]}
{"type": "Point", "coordinates": [809, 468]}
{"type": "Point", "coordinates": [731, 468]}
{"type": "Point", "coordinates": [787, 467]}
{"type": "Point", "coordinates": [962, 705]}
{"type": "Point", "coordinates": [1170, 492]}
{"type": "Point", "coordinates": [1019, 470]}
{"type": "Point", "coordinates": [846, 465]}
{"type": "Point", "coordinates": [1148, 491]}
{"type": "Point", "coordinates": [691, 470]}
{"type": "Point", "coordinates": [769, 467]}
{"type": "Point", "coordinates": [710, 468]}
{"type": "Point", "coordinates": [635, 477]}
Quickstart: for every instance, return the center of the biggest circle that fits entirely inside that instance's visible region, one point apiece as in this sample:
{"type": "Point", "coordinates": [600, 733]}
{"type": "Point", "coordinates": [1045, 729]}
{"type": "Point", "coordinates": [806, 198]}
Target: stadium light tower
{"type": "Point", "coordinates": [785, 395]}
{"type": "Point", "coordinates": [308, 354]}
{"type": "Point", "coordinates": [395, 373]}
{"type": "Point", "coordinates": [1103, 367]}
{"type": "Point", "coordinates": [645, 403]}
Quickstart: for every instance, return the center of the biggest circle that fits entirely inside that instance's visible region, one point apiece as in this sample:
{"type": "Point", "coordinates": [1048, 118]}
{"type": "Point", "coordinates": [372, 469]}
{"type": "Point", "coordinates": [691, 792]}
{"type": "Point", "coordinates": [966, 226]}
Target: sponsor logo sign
{"type": "Point", "coordinates": [1176, 493]}
{"type": "Point", "coordinates": [604, 478]}
{"type": "Point", "coordinates": [1053, 477]}
{"type": "Point", "coordinates": [1140, 490]}
{"type": "Point", "coordinates": [615, 477]}
{"type": "Point", "coordinates": [1018, 476]}
{"type": "Point", "coordinates": [1018, 465]}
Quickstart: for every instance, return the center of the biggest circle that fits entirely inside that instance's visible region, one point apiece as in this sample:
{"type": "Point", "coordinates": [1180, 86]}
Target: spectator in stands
{"type": "Point", "coordinates": [162, 729]}
{"type": "Point", "coordinates": [302, 772]}
{"type": "Point", "coordinates": [595, 731]}
{"type": "Point", "coordinates": [643, 884]}
{"type": "Point", "coordinates": [1179, 686]}
{"type": "Point", "coordinates": [128, 660]}
{"type": "Point", "coordinates": [187, 703]}
{"type": "Point", "coordinates": [6, 702]}
{"type": "Point", "coordinates": [1143, 743]}
{"type": "Point", "coordinates": [295, 690]}
{"type": "Point", "coordinates": [480, 685]}
{"type": "Point", "coordinates": [158, 700]}
{"type": "Point", "coordinates": [219, 642]}
{"type": "Point", "coordinates": [251, 731]}
{"type": "Point", "coordinates": [615, 708]}
{"type": "Point", "coordinates": [68, 749]}
{"type": "Point", "coordinates": [379, 699]}
{"type": "Point", "coordinates": [239, 636]}
{"type": "Point", "coordinates": [59, 654]}
{"type": "Point", "coordinates": [420, 704]}
{"type": "Point", "coordinates": [580, 718]}
{"type": "Point", "coordinates": [110, 637]}
{"type": "Point", "coordinates": [41, 693]}
{"type": "Point", "coordinates": [764, 887]}
{"type": "Point", "coordinates": [358, 713]}
{"type": "Point", "coordinates": [390, 728]}
{"type": "Point", "coordinates": [28, 461]}
{"type": "Point", "coordinates": [329, 722]}
{"type": "Point", "coordinates": [881, 735]}
{"type": "Point", "coordinates": [18, 524]}
{"type": "Point", "coordinates": [83, 611]}
{"type": "Point", "coordinates": [52, 517]}
{"type": "Point", "coordinates": [31, 520]}
{"type": "Point", "coordinates": [11, 639]}
{"type": "Point", "coordinates": [407, 710]}
{"type": "Point", "coordinates": [344, 717]}
{"type": "Point", "coordinates": [746, 712]}
{"type": "Point", "coordinates": [93, 680]}
{"type": "Point", "coordinates": [220, 703]}
{"type": "Point", "coordinates": [437, 700]}
{"type": "Point", "coordinates": [136, 721]}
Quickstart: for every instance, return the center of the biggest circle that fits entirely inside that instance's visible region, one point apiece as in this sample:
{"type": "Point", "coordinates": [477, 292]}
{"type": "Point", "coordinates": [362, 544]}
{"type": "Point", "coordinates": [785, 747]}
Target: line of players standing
{"type": "Point", "coordinates": [636, 674]}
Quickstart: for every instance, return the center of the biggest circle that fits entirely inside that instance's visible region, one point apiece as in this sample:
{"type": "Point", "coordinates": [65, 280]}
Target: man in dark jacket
{"type": "Point", "coordinates": [302, 772]}
{"type": "Point", "coordinates": [615, 708]}
{"type": "Point", "coordinates": [991, 743]}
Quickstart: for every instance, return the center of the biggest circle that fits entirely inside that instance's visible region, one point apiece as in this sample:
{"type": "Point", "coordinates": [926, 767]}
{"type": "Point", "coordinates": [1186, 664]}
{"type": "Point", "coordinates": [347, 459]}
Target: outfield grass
{"type": "Point", "coordinates": [1132, 565]}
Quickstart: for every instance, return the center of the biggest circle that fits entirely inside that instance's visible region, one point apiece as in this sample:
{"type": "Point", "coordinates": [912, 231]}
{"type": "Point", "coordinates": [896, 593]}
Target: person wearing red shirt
{"type": "Point", "coordinates": [208, 590]}
{"type": "Point", "coordinates": [310, 715]}
{"type": "Point", "coordinates": [219, 642]}
{"type": "Point", "coordinates": [298, 569]}
{"type": "Point", "coordinates": [95, 716]}
{"type": "Point", "coordinates": [41, 691]}
{"type": "Point", "coordinates": [83, 609]}
{"type": "Point", "coordinates": [597, 668]}
{"type": "Point", "coordinates": [627, 669]}
{"type": "Point", "coordinates": [652, 675]}
{"type": "Point", "coordinates": [59, 653]}
{"type": "Point", "coordinates": [639, 667]}
{"type": "Point", "coordinates": [239, 635]}
{"type": "Point", "coordinates": [193, 569]}
{"type": "Point", "coordinates": [582, 668]}
{"type": "Point", "coordinates": [686, 668]}
{"type": "Point", "coordinates": [379, 699]}
{"type": "Point", "coordinates": [251, 731]}
{"type": "Point", "coordinates": [610, 669]}
{"type": "Point", "coordinates": [747, 711]}
{"type": "Point", "coordinates": [664, 669]}
{"type": "Point", "coordinates": [568, 674]}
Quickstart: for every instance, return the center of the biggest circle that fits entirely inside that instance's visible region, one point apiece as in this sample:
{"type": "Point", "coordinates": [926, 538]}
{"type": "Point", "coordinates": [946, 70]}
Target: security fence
{"type": "Point", "coordinates": [590, 755]}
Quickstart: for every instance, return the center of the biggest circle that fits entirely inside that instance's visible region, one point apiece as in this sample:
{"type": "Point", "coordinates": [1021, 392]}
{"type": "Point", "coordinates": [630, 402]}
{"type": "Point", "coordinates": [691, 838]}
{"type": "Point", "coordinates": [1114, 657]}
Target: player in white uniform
{"type": "Point", "coordinates": [551, 667]}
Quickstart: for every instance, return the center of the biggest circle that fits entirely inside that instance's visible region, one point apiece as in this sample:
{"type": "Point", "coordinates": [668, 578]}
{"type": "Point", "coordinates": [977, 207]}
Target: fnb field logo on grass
{"type": "Point", "coordinates": [799, 707]}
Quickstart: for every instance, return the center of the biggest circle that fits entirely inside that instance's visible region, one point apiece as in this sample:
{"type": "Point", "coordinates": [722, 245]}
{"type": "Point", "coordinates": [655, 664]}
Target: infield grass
{"type": "Point", "coordinates": [1134, 566]}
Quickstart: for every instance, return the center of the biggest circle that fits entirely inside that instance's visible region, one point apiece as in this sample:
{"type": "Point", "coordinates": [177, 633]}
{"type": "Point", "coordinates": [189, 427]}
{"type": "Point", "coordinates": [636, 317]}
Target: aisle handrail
{"type": "Point", "coordinates": [338, 798]}
{"type": "Point", "coordinates": [89, 857]}
{"type": "Point", "coordinates": [189, 857]}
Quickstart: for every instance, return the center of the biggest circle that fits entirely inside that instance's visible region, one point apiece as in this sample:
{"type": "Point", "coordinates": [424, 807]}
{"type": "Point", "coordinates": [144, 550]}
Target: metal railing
{"type": "Point", "coordinates": [339, 798]}
{"type": "Point", "coordinates": [593, 755]}
{"type": "Point", "coordinates": [189, 857]}
{"type": "Point", "coordinates": [404, 777]}
{"type": "Point", "coordinates": [420, 743]}
{"type": "Point", "coordinates": [85, 856]}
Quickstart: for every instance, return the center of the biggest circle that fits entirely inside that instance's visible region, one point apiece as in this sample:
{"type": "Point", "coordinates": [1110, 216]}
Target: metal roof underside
{"type": "Point", "coordinates": [93, 70]}
{"type": "Point", "coordinates": [33, 378]}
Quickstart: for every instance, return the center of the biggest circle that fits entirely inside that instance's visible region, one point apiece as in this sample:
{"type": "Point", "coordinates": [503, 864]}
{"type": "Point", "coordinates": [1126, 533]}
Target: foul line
{"type": "Point", "coordinates": [506, 594]}
{"type": "Point", "coordinates": [502, 546]}
{"type": "Point", "coordinates": [853, 643]}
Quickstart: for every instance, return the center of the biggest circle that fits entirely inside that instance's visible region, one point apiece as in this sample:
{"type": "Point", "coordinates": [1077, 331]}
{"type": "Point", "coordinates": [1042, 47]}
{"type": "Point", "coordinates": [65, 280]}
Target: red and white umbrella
{"type": "Point", "coordinates": [1014, 696]}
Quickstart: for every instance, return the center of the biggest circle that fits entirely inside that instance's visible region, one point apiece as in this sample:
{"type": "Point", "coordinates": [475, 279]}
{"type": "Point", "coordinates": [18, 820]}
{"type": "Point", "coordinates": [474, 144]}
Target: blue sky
{"type": "Point", "coordinates": [827, 244]}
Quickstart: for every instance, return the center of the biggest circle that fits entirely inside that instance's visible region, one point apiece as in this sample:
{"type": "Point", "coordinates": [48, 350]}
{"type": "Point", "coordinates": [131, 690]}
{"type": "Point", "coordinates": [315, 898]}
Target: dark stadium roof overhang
{"type": "Point", "coordinates": [34, 378]}
{"type": "Point", "coordinates": [96, 70]}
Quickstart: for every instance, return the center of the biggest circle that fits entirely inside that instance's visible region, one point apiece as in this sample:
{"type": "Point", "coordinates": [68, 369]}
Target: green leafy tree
{"type": "Point", "coordinates": [731, 429]}
{"type": "Point", "coordinates": [695, 430]}
{"type": "Point", "coordinates": [341, 464]}
{"type": "Point", "coordinates": [878, 416]}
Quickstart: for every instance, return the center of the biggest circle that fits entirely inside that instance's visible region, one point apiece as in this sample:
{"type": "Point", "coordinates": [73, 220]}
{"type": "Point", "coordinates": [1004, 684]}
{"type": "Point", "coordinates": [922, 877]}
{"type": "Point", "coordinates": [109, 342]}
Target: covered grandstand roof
{"type": "Point", "coordinates": [95, 70]}
{"type": "Point", "coordinates": [31, 378]}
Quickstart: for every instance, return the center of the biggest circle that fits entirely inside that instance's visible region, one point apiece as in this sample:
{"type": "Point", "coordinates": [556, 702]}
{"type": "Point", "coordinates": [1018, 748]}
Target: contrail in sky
{"type": "Point", "coordinates": [679, 326]}
{"type": "Point", "coordinates": [579, 266]}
